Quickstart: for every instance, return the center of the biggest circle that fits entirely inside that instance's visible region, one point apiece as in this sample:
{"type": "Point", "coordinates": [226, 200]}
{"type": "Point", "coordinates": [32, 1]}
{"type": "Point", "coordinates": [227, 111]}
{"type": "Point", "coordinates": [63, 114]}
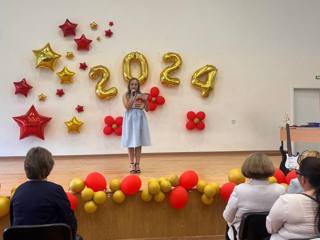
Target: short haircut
{"type": "Point", "coordinates": [257, 166]}
{"type": "Point", "coordinates": [38, 163]}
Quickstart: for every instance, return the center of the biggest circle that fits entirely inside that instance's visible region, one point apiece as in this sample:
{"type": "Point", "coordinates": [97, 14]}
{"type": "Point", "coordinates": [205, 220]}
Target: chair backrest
{"type": "Point", "coordinates": [56, 231]}
{"type": "Point", "coordinates": [253, 226]}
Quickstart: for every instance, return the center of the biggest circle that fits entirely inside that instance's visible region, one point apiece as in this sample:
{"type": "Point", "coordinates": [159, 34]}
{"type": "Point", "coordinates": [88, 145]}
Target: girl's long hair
{"type": "Point", "coordinates": [129, 91]}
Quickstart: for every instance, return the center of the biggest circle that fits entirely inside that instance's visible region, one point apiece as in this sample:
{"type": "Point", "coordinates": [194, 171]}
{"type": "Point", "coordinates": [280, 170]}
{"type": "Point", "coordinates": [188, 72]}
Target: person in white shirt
{"type": "Point", "coordinates": [256, 195]}
{"type": "Point", "coordinates": [298, 215]}
{"type": "Point", "coordinates": [294, 186]}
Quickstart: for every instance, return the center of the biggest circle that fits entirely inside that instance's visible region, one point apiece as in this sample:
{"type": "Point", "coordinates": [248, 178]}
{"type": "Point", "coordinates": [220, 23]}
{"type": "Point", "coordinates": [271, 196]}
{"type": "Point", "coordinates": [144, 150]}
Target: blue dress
{"type": "Point", "coordinates": [135, 130]}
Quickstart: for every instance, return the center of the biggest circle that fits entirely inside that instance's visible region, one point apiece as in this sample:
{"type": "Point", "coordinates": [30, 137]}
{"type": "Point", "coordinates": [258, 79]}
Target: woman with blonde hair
{"type": "Point", "coordinates": [294, 186]}
{"type": "Point", "coordinates": [257, 195]}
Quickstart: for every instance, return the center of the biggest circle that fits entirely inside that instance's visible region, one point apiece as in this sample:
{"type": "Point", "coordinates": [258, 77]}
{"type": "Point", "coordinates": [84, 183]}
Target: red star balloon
{"type": "Point", "coordinates": [60, 92]}
{"type": "Point", "coordinates": [110, 23]}
{"type": "Point", "coordinates": [32, 123]}
{"type": "Point", "coordinates": [83, 43]}
{"type": "Point", "coordinates": [83, 66]}
{"type": "Point", "coordinates": [79, 108]}
{"type": "Point", "coordinates": [68, 28]}
{"type": "Point", "coordinates": [22, 87]}
{"type": "Point", "coordinates": [108, 33]}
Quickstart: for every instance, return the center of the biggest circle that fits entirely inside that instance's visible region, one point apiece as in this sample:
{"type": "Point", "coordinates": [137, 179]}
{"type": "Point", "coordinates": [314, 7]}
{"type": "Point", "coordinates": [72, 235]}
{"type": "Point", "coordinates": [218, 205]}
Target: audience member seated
{"type": "Point", "coordinates": [294, 186]}
{"type": "Point", "coordinates": [39, 201]}
{"type": "Point", "coordinates": [295, 216]}
{"type": "Point", "coordinates": [257, 195]}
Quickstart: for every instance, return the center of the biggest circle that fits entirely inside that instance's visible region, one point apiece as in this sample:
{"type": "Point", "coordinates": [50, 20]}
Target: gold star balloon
{"type": "Point", "coordinates": [70, 55]}
{"type": "Point", "coordinates": [46, 57]}
{"type": "Point", "coordinates": [42, 97]}
{"type": "Point", "coordinates": [74, 125]}
{"type": "Point", "coordinates": [93, 26]}
{"type": "Point", "coordinates": [66, 75]}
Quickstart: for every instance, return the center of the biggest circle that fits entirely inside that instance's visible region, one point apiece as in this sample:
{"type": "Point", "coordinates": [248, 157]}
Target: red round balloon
{"type": "Point", "coordinates": [109, 120]}
{"type": "Point", "coordinates": [130, 185]}
{"type": "Point", "coordinates": [201, 115]}
{"type": "Point", "coordinates": [160, 100]}
{"type": "Point", "coordinates": [152, 106]}
{"type": "Point", "coordinates": [178, 197]}
{"type": "Point", "coordinates": [191, 115]}
{"type": "Point", "coordinates": [291, 175]}
{"type": "Point", "coordinates": [154, 91]}
{"type": "Point", "coordinates": [279, 175]}
{"type": "Point", "coordinates": [119, 121]}
{"type": "Point", "coordinates": [73, 200]}
{"type": "Point", "coordinates": [188, 179]}
{"type": "Point", "coordinates": [107, 130]}
{"type": "Point", "coordinates": [118, 131]}
{"type": "Point", "coordinates": [96, 181]}
{"type": "Point", "coordinates": [226, 190]}
{"type": "Point", "coordinates": [200, 126]}
{"type": "Point", "coordinates": [190, 125]}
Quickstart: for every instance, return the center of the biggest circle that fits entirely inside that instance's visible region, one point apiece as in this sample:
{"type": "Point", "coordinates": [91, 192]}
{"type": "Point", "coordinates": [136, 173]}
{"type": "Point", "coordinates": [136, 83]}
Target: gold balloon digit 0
{"type": "Point", "coordinates": [176, 63]}
{"type": "Point", "coordinates": [205, 86]}
{"type": "Point", "coordinates": [126, 66]}
{"type": "Point", "coordinates": [103, 72]}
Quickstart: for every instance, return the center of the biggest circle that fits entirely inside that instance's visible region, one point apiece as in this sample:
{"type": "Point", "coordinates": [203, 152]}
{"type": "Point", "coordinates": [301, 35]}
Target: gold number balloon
{"type": "Point", "coordinates": [207, 85]}
{"type": "Point", "coordinates": [126, 66]}
{"type": "Point", "coordinates": [176, 63]}
{"type": "Point", "coordinates": [103, 72]}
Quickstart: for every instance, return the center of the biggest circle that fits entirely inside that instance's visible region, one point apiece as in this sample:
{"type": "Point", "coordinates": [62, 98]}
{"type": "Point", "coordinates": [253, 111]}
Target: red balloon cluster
{"type": "Point", "coordinates": [154, 99]}
{"type": "Point", "coordinates": [291, 175]}
{"type": "Point", "coordinates": [130, 185]}
{"type": "Point", "coordinates": [178, 197]}
{"type": "Point", "coordinates": [279, 175]}
{"type": "Point", "coordinates": [195, 120]}
{"type": "Point", "coordinates": [226, 190]}
{"type": "Point", "coordinates": [188, 179]}
{"type": "Point", "coordinates": [113, 125]}
{"type": "Point", "coordinates": [73, 200]}
{"type": "Point", "coordinates": [96, 181]}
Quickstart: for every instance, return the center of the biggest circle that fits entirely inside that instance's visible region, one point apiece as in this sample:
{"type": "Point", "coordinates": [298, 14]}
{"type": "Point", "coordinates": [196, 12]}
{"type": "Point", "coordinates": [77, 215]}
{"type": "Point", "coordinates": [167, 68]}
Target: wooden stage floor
{"type": "Point", "coordinates": [211, 167]}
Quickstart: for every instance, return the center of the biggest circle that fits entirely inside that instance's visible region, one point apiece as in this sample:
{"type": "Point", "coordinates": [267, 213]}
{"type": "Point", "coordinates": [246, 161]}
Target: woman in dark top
{"type": "Point", "coordinates": [39, 201]}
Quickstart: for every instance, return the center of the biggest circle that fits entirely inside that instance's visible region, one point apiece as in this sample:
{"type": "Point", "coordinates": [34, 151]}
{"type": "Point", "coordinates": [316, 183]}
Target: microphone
{"type": "Point", "coordinates": [133, 93]}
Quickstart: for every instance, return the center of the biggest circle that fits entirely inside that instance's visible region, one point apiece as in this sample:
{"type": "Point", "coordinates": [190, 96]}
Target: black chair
{"type": "Point", "coordinates": [253, 226]}
{"type": "Point", "coordinates": [57, 231]}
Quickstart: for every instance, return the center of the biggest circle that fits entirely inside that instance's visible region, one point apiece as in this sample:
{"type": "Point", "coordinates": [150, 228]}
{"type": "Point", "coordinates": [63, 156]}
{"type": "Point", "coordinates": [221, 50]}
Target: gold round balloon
{"type": "Point", "coordinates": [126, 66]}
{"type": "Point", "coordinates": [103, 73]}
{"type": "Point", "coordinates": [165, 77]}
{"type": "Point", "coordinates": [115, 185]}
{"type": "Point", "coordinates": [153, 187]}
{"type": "Point", "coordinates": [87, 194]}
{"type": "Point", "coordinates": [205, 86]}
{"type": "Point", "coordinates": [46, 57]}
{"type": "Point", "coordinates": [272, 179]}
{"type": "Point", "coordinates": [76, 185]}
{"type": "Point", "coordinates": [209, 191]}
{"type": "Point", "coordinates": [206, 200]}
{"type": "Point", "coordinates": [159, 197]}
{"type": "Point", "coordinates": [146, 196]}
{"type": "Point", "coordinates": [201, 185]}
{"type": "Point", "coordinates": [90, 207]}
{"type": "Point", "coordinates": [118, 196]}
{"type": "Point", "coordinates": [4, 206]}
{"type": "Point", "coordinates": [165, 186]}
{"type": "Point", "coordinates": [174, 179]}
{"type": "Point", "coordinates": [235, 176]}
{"type": "Point", "coordinates": [215, 187]}
{"type": "Point", "coordinates": [99, 197]}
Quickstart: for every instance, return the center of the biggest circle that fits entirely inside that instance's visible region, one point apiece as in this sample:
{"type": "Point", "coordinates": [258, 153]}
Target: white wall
{"type": "Point", "coordinates": [261, 49]}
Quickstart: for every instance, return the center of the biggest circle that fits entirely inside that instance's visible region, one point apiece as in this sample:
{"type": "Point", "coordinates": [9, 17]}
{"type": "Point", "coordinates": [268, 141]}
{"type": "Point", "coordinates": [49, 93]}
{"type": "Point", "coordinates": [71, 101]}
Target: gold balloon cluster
{"type": "Point", "coordinates": [103, 73]}
{"type": "Point", "coordinates": [143, 63]}
{"type": "Point", "coordinates": [208, 190]}
{"type": "Point", "coordinates": [92, 199]}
